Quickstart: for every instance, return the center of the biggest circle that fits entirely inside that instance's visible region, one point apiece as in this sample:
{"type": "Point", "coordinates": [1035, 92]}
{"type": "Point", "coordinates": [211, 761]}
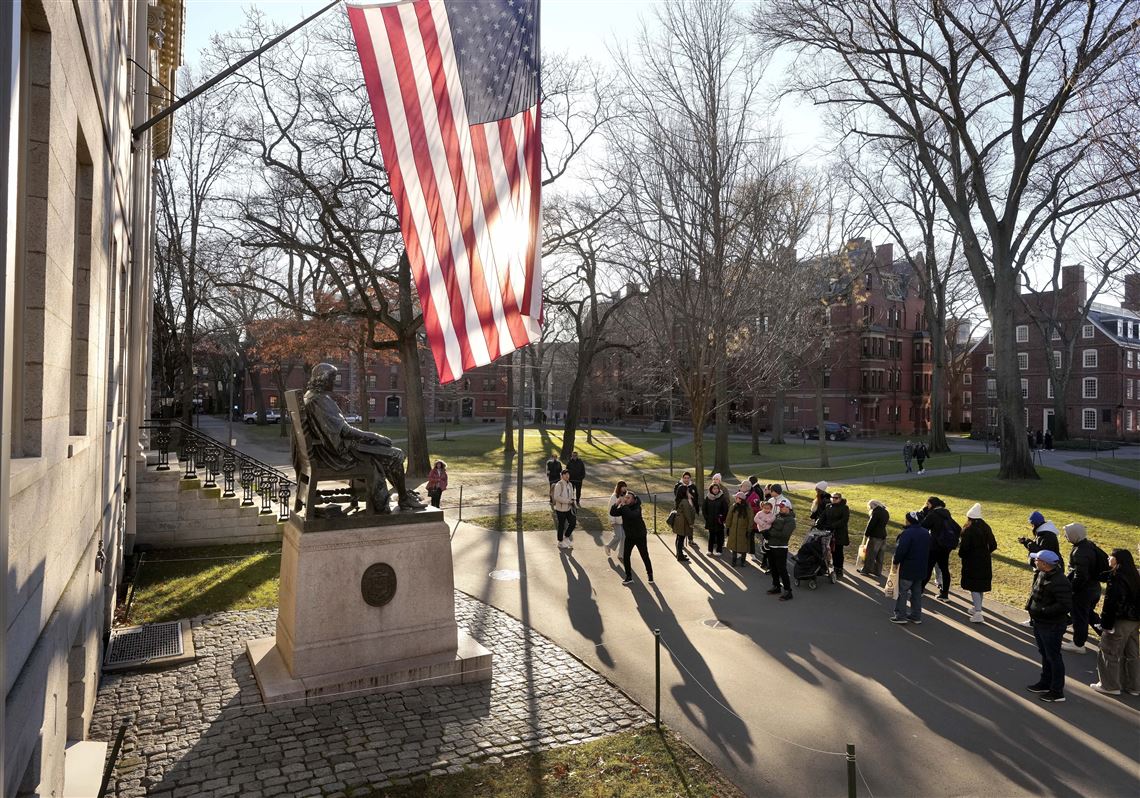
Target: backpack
{"type": "Point", "coordinates": [1100, 569]}
{"type": "Point", "coordinates": [671, 518]}
{"type": "Point", "coordinates": [953, 533]}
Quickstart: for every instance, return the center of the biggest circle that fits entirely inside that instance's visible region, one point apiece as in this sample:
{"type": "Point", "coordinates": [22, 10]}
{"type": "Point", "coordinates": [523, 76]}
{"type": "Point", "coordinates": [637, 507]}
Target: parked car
{"type": "Point", "coordinates": [835, 431]}
{"type": "Point", "coordinates": [272, 416]}
{"type": "Point", "coordinates": [353, 418]}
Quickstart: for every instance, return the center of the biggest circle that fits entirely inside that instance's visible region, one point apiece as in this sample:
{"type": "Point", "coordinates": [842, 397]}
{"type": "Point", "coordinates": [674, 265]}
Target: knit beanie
{"type": "Point", "coordinates": [1036, 518]}
{"type": "Point", "coordinates": [975, 511]}
{"type": "Point", "coordinates": [821, 486]}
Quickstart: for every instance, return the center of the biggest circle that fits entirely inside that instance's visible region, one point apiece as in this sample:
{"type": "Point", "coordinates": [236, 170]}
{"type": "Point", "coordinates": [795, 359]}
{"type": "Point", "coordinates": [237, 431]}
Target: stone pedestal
{"type": "Point", "coordinates": [367, 604]}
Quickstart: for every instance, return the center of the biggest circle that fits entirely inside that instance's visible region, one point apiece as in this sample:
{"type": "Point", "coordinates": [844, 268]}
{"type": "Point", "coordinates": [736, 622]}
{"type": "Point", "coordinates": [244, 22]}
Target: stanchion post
{"type": "Point", "coordinates": [784, 479]}
{"type": "Point", "coordinates": [959, 464]}
{"type": "Point", "coordinates": [850, 770]}
{"type": "Point", "coordinates": [657, 689]}
{"type": "Point", "coordinates": [460, 502]}
{"type": "Point", "coordinates": [653, 498]}
{"type": "Point", "coordinates": [874, 473]}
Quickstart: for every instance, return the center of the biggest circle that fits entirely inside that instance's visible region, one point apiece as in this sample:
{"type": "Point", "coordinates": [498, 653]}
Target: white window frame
{"type": "Point", "coordinates": [990, 337]}
{"type": "Point", "coordinates": [1056, 359]}
{"type": "Point", "coordinates": [1087, 331]}
{"type": "Point", "coordinates": [1049, 387]}
{"type": "Point", "coordinates": [1022, 333]}
{"type": "Point", "coordinates": [1022, 361]}
{"type": "Point", "coordinates": [991, 388]}
{"type": "Point", "coordinates": [1090, 383]}
{"type": "Point", "coordinates": [1085, 413]}
{"type": "Point", "coordinates": [1089, 358]}
{"type": "Point", "coordinates": [1128, 420]}
{"type": "Point", "coordinates": [967, 378]}
{"type": "Point", "coordinates": [1128, 358]}
{"type": "Point", "coordinates": [967, 399]}
{"type": "Point", "coordinates": [1055, 335]}
{"type": "Point", "coordinates": [1128, 387]}
{"type": "Point", "coordinates": [1024, 388]}
{"type": "Point", "coordinates": [990, 361]}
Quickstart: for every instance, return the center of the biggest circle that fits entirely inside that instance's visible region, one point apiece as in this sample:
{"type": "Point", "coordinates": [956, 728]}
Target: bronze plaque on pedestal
{"type": "Point", "coordinates": [378, 585]}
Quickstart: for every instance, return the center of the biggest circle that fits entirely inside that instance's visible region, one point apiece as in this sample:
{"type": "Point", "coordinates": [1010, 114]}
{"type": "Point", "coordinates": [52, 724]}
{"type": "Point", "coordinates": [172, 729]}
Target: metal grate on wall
{"type": "Point", "coordinates": [143, 644]}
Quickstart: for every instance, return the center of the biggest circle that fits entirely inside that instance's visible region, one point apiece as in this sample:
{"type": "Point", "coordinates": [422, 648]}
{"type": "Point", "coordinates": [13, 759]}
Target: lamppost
{"type": "Point", "coordinates": [233, 380]}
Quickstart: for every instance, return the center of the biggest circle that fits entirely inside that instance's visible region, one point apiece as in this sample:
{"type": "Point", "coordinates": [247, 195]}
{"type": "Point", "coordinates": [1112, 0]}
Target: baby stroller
{"type": "Point", "coordinates": [814, 558]}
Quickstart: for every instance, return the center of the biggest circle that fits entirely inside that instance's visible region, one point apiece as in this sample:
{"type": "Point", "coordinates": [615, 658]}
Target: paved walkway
{"type": "Point", "coordinates": [200, 729]}
{"type": "Point", "coordinates": [772, 692]}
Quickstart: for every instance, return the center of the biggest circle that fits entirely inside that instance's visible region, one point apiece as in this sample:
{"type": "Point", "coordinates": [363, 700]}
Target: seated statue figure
{"type": "Point", "coordinates": [340, 445]}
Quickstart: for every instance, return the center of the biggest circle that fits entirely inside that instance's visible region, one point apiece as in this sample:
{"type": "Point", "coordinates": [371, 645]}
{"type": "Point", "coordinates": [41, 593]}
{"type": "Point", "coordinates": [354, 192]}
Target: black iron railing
{"type": "Point", "coordinates": [199, 456]}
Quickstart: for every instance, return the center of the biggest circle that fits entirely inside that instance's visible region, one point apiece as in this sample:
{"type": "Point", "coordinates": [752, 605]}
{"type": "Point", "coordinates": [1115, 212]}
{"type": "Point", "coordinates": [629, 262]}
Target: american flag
{"type": "Point", "coordinates": [454, 89]}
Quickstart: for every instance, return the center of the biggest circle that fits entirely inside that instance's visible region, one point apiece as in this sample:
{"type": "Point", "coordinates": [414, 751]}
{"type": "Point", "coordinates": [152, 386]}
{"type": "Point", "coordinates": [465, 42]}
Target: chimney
{"type": "Point", "coordinates": [1131, 292]}
{"type": "Point", "coordinates": [885, 254]}
{"type": "Point", "coordinates": [1073, 284]}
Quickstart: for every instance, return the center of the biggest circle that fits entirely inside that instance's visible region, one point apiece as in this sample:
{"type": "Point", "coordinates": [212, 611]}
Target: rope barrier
{"type": "Point", "coordinates": [859, 770]}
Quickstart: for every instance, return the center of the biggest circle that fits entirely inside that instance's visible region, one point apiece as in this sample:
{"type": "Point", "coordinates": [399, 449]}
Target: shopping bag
{"type": "Point", "coordinates": [861, 557]}
{"type": "Point", "coordinates": [892, 587]}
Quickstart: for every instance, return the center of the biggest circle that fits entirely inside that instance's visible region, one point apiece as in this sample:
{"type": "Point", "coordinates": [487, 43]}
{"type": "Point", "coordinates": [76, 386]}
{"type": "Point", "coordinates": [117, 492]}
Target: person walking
{"type": "Point", "coordinates": [920, 454]}
{"type": "Point", "coordinates": [908, 456]}
{"type": "Point", "coordinates": [761, 523]}
{"type": "Point", "coordinates": [1118, 661]}
{"type": "Point", "coordinates": [1050, 602]}
{"type": "Point", "coordinates": [875, 538]}
{"type": "Point", "coordinates": [553, 470]}
{"type": "Point", "coordinates": [976, 552]}
{"type": "Point", "coordinates": [944, 536]}
{"type": "Point", "coordinates": [577, 470]}
{"type": "Point", "coordinates": [437, 482]}
{"type": "Point", "coordinates": [1087, 563]}
{"type": "Point", "coordinates": [779, 536]}
{"type": "Point", "coordinates": [683, 522]}
{"type": "Point", "coordinates": [628, 509]}
{"type": "Point", "coordinates": [1045, 538]}
{"type": "Point", "coordinates": [715, 511]}
{"type": "Point", "coordinates": [562, 498]}
{"type": "Point", "coordinates": [739, 524]}
{"type": "Point", "coordinates": [912, 553]}
{"type": "Point", "coordinates": [616, 543]}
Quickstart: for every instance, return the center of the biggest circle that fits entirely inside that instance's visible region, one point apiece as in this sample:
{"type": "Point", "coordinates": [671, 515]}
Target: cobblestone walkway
{"type": "Point", "coordinates": [200, 729]}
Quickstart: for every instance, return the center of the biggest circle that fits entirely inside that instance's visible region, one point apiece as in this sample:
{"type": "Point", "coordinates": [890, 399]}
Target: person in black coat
{"type": "Point", "coordinates": [1049, 605]}
{"type": "Point", "coordinates": [628, 508]}
{"type": "Point", "coordinates": [577, 471]}
{"type": "Point", "coordinates": [1118, 660]}
{"type": "Point", "coordinates": [826, 515]}
{"type": "Point", "coordinates": [875, 536]}
{"type": "Point", "coordinates": [553, 470]}
{"type": "Point", "coordinates": [944, 532]}
{"type": "Point", "coordinates": [1085, 579]}
{"type": "Point", "coordinates": [715, 511]}
{"type": "Point", "coordinates": [976, 550]}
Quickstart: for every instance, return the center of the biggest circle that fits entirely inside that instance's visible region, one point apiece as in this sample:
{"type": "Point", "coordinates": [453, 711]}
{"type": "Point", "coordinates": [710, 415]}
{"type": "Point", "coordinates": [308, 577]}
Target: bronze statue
{"type": "Point", "coordinates": [341, 446]}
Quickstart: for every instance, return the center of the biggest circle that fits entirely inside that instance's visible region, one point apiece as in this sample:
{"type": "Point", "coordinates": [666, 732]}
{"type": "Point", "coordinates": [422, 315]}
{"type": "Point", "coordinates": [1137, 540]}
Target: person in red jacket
{"type": "Point", "coordinates": [437, 482]}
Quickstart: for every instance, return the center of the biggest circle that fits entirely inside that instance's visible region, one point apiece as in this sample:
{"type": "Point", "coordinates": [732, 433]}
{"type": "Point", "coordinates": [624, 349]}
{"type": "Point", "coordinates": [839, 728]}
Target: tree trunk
{"type": "Point", "coordinates": [187, 377]}
{"type": "Point", "coordinates": [755, 429]}
{"type": "Point", "coordinates": [255, 387]}
{"type": "Point", "coordinates": [410, 363]}
{"type": "Point", "coordinates": [282, 377]}
{"type": "Point", "coordinates": [777, 416]}
{"type": "Point", "coordinates": [573, 412]}
{"type": "Point", "coordinates": [1016, 461]}
{"type": "Point", "coordinates": [536, 385]}
{"type": "Point", "coordinates": [362, 387]}
{"type": "Point", "coordinates": [509, 421]}
{"type": "Point", "coordinates": [720, 456]}
{"type": "Point", "coordinates": [938, 442]}
{"type": "Point", "coordinates": [1060, 417]}
{"type": "Point", "coordinates": [821, 424]}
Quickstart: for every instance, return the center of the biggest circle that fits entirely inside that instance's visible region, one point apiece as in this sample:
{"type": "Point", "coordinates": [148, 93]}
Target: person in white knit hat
{"type": "Point", "coordinates": [976, 550]}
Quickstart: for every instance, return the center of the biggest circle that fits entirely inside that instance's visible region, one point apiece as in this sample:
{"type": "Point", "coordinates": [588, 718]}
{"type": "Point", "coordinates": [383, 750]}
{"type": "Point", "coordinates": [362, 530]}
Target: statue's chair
{"type": "Point", "coordinates": [311, 471]}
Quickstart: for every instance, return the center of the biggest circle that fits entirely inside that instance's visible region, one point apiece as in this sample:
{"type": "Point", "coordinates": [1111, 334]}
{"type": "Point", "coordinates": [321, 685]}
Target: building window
{"type": "Point", "coordinates": [1049, 387]}
{"type": "Point", "coordinates": [1106, 415]}
{"type": "Point", "coordinates": [1128, 358]}
{"type": "Point", "coordinates": [1056, 359]}
{"type": "Point", "coordinates": [967, 378]}
{"type": "Point", "coordinates": [1055, 335]}
{"type": "Point", "coordinates": [989, 361]}
{"type": "Point", "coordinates": [1089, 388]}
{"type": "Point", "coordinates": [1024, 388]}
{"type": "Point", "coordinates": [967, 398]}
{"type": "Point", "coordinates": [991, 412]}
{"type": "Point", "coordinates": [339, 378]}
{"type": "Point", "coordinates": [1089, 359]}
{"type": "Point", "coordinates": [868, 282]}
{"type": "Point", "coordinates": [827, 378]}
{"type": "Point", "coordinates": [1128, 420]}
{"type": "Point", "coordinates": [372, 381]}
{"type": "Point", "coordinates": [826, 412]}
{"type": "Point", "coordinates": [990, 337]}
{"type": "Point", "coordinates": [1022, 361]}
{"type": "Point", "coordinates": [1023, 333]}
{"type": "Point", "coordinates": [1128, 387]}
{"type": "Point", "coordinates": [1088, 419]}
{"type": "Point", "coordinates": [1087, 331]}
{"type": "Point", "coordinates": [991, 388]}
{"type": "Point", "coordinates": [372, 402]}
{"type": "Point", "coordinates": [81, 286]}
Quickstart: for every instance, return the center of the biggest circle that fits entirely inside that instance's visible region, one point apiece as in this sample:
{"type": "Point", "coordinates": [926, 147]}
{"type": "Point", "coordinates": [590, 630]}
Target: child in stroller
{"type": "Point", "coordinates": [814, 558]}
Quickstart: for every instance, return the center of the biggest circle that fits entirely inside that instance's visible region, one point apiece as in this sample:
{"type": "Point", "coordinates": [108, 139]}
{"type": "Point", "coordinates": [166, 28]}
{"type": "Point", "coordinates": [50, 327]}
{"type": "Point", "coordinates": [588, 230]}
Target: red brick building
{"type": "Point", "coordinates": [1103, 396]}
{"type": "Point", "coordinates": [877, 376]}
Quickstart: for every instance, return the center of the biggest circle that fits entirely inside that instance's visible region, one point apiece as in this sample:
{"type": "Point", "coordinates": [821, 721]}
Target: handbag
{"type": "Point", "coordinates": [671, 518]}
{"type": "Point", "coordinates": [891, 589]}
{"type": "Point", "coordinates": [861, 557]}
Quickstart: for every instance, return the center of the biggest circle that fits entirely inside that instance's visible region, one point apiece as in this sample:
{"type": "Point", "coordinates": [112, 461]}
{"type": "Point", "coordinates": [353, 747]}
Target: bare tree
{"type": "Point", "coordinates": [998, 102]}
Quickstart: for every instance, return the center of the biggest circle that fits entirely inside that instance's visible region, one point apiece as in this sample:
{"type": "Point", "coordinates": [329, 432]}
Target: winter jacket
{"type": "Point", "coordinates": [1119, 602]}
{"type": "Point", "coordinates": [912, 553]}
{"type": "Point", "coordinates": [437, 479]}
{"type": "Point", "coordinates": [763, 520]}
{"type": "Point", "coordinates": [714, 509]}
{"type": "Point", "coordinates": [562, 494]}
{"type": "Point", "coordinates": [553, 470]}
{"type": "Point", "coordinates": [837, 517]}
{"type": "Point", "coordinates": [1051, 598]}
{"type": "Point", "coordinates": [1082, 566]}
{"type": "Point", "coordinates": [1045, 539]}
{"type": "Point", "coordinates": [943, 528]}
{"type": "Point", "coordinates": [978, 543]}
{"type": "Point", "coordinates": [686, 515]}
{"type": "Point", "coordinates": [754, 500]}
{"type": "Point", "coordinates": [781, 530]}
{"type": "Point", "coordinates": [921, 452]}
{"type": "Point", "coordinates": [577, 469]}
{"type": "Point", "coordinates": [629, 516]}
{"type": "Point", "coordinates": [681, 488]}
{"type": "Point", "coordinates": [739, 524]}
{"type": "Point", "coordinates": [615, 519]}
{"type": "Point", "coordinates": [877, 523]}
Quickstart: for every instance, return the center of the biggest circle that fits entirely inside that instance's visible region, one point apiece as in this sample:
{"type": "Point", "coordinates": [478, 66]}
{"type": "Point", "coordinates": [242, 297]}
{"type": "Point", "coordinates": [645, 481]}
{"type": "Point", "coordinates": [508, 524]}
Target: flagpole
{"type": "Point", "coordinates": [209, 84]}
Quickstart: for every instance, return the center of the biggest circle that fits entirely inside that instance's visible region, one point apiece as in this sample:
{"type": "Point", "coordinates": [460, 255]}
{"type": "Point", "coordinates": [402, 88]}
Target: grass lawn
{"type": "Point", "coordinates": [1107, 511]}
{"type": "Point", "coordinates": [182, 583]}
{"type": "Point", "coordinates": [740, 453]}
{"type": "Point", "coordinates": [485, 451]}
{"type": "Point", "coordinates": [634, 764]}
{"type": "Point", "coordinates": [1121, 468]}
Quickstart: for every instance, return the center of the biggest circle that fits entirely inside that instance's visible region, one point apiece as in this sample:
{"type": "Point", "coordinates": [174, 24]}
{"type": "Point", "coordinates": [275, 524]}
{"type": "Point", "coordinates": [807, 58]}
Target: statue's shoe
{"type": "Point", "coordinates": [411, 502]}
